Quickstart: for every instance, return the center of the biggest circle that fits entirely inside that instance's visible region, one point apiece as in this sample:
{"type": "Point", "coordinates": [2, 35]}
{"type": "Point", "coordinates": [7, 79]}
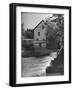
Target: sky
{"type": "Point", "coordinates": [31, 20]}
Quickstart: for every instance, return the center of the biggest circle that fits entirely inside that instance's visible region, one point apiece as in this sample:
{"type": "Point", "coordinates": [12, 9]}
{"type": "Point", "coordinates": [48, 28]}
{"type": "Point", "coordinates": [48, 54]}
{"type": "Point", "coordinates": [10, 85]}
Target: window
{"type": "Point", "coordinates": [43, 39]}
{"type": "Point", "coordinates": [38, 33]}
{"type": "Point", "coordinates": [42, 27]}
{"type": "Point", "coordinates": [37, 39]}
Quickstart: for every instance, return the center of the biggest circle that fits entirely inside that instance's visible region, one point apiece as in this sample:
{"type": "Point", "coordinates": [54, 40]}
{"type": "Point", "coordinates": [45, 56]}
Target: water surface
{"type": "Point", "coordinates": [36, 66]}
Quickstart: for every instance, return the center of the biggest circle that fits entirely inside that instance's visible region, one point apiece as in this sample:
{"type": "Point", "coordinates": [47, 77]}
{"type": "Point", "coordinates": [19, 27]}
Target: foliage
{"type": "Point", "coordinates": [28, 34]}
{"type": "Point", "coordinates": [56, 29]}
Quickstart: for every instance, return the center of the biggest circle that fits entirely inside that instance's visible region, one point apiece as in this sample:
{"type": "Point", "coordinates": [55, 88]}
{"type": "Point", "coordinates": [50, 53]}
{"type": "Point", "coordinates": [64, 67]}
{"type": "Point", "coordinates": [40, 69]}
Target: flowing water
{"type": "Point", "coordinates": [36, 66]}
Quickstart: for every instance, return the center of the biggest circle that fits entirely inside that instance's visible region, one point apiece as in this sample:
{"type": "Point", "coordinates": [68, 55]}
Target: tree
{"type": "Point", "coordinates": [28, 34]}
{"type": "Point", "coordinates": [56, 29]}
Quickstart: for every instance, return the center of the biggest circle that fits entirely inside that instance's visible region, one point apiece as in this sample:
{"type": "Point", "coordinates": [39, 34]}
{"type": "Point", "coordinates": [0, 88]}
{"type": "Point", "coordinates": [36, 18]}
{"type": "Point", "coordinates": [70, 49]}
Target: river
{"type": "Point", "coordinates": [36, 66]}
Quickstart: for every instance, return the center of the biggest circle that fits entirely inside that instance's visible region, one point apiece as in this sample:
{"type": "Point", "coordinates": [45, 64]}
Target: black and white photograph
{"type": "Point", "coordinates": [42, 44]}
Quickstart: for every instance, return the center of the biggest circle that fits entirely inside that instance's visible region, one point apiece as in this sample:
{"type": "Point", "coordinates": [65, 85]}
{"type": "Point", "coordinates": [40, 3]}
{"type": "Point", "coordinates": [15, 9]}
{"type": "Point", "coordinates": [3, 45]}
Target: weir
{"type": "Point", "coordinates": [36, 66]}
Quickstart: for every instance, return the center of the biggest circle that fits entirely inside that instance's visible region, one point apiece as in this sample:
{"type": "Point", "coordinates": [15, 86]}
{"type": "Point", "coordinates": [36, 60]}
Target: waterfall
{"type": "Point", "coordinates": [33, 66]}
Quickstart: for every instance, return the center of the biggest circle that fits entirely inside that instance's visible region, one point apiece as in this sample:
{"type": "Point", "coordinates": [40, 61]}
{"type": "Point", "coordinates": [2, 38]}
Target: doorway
{"type": "Point", "coordinates": [40, 44]}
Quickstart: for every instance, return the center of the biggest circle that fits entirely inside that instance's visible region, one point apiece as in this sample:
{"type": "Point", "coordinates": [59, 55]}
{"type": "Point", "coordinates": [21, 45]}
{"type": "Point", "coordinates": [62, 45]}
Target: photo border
{"type": "Point", "coordinates": [12, 64]}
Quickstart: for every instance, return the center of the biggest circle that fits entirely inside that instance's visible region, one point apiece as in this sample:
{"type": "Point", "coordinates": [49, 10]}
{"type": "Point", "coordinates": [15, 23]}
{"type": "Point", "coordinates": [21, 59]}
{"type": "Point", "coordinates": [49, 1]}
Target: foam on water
{"type": "Point", "coordinates": [33, 66]}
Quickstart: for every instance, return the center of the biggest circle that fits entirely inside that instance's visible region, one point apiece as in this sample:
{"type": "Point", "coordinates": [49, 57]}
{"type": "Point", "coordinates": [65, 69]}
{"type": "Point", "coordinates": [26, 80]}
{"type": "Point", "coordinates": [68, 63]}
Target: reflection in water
{"type": "Point", "coordinates": [36, 66]}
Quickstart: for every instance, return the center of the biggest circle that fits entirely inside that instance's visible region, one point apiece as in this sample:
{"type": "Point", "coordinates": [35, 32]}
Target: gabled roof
{"type": "Point", "coordinates": [50, 24]}
{"type": "Point", "coordinates": [40, 23]}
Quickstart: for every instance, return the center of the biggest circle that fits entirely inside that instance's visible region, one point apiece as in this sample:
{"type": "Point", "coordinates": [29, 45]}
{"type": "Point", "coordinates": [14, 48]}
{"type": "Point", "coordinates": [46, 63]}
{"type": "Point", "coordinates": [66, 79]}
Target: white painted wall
{"type": "Point", "coordinates": [42, 31]}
